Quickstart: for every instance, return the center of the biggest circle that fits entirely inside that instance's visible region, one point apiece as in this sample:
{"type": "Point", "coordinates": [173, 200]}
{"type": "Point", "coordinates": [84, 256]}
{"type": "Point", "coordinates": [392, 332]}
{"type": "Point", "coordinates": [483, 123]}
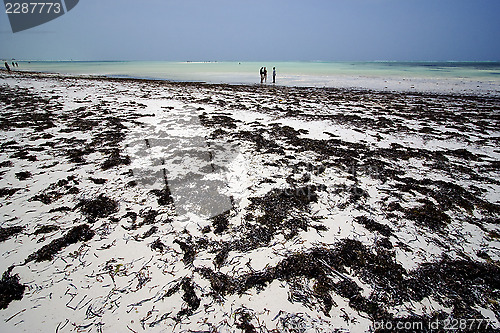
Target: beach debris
{"type": "Point", "coordinates": [164, 196]}
{"type": "Point", "coordinates": [189, 250]}
{"type": "Point", "coordinates": [10, 288]}
{"type": "Point", "coordinates": [80, 233]}
{"type": "Point", "coordinates": [110, 135]}
{"type": "Point", "coordinates": [115, 159]}
{"type": "Point", "coordinates": [220, 222]}
{"type": "Point", "coordinates": [45, 229]}
{"type": "Point", "coordinates": [158, 245]}
{"type": "Point", "coordinates": [148, 233]}
{"type": "Point", "coordinates": [461, 284]}
{"type": "Point", "coordinates": [190, 297]}
{"type": "Point", "coordinates": [243, 320]}
{"type": "Point", "coordinates": [47, 198]}
{"type": "Point", "coordinates": [7, 192]}
{"type": "Point", "coordinates": [148, 216]}
{"type": "Point", "coordinates": [218, 121]}
{"type": "Point", "coordinates": [459, 280]}
{"type": "Point", "coordinates": [428, 215]}
{"type": "Point", "coordinates": [222, 255]}
{"type": "Point", "coordinates": [24, 154]}
{"type": "Point", "coordinates": [98, 181]}
{"type": "Point", "coordinates": [76, 155]}
{"type": "Point", "coordinates": [23, 175]}
{"type": "Point", "coordinates": [132, 183]}
{"type": "Point", "coordinates": [6, 164]}
{"type": "Point", "coordinates": [281, 210]}
{"type": "Point", "coordinates": [25, 109]}
{"type": "Point", "coordinates": [374, 226]}
{"type": "Point", "coordinates": [319, 265]}
{"type": "Point", "coordinates": [383, 173]}
{"type": "Point", "coordinates": [60, 209]}
{"type": "Point", "coordinates": [187, 286]}
{"type": "Point", "coordinates": [57, 190]}
{"type": "Point", "coordinates": [8, 232]}
{"type": "Point", "coordinates": [100, 207]}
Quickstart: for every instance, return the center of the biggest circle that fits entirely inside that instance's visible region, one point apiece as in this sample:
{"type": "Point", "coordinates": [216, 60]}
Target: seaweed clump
{"type": "Point", "coordinates": [220, 222]}
{"type": "Point", "coordinates": [164, 196]}
{"type": "Point", "coordinates": [189, 296]}
{"type": "Point", "coordinates": [320, 265]}
{"type": "Point", "coordinates": [76, 155]}
{"type": "Point", "coordinates": [244, 318]}
{"type": "Point", "coordinates": [465, 283]}
{"type": "Point", "coordinates": [45, 229]}
{"type": "Point", "coordinates": [57, 190]}
{"type": "Point", "coordinates": [148, 218]}
{"type": "Point", "coordinates": [10, 288]}
{"type": "Point", "coordinates": [428, 215]}
{"type": "Point", "coordinates": [115, 159]}
{"type": "Point", "coordinates": [80, 233]}
{"type": "Point", "coordinates": [7, 192]}
{"type": "Point", "coordinates": [283, 209]}
{"type": "Point", "coordinates": [218, 121]}
{"type": "Point", "coordinates": [373, 226]}
{"type": "Point", "coordinates": [189, 251]}
{"type": "Point", "coordinates": [99, 207]}
{"type": "Point", "coordinates": [6, 233]}
{"type": "Point", "coordinates": [24, 110]}
{"type": "Point", "coordinates": [158, 245]}
{"type": "Point", "coordinates": [462, 285]}
{"type": "Point", "coordinates": [23, 175]}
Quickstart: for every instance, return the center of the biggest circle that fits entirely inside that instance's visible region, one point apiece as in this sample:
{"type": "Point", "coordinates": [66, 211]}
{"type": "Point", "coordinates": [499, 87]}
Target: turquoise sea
{"type": "Point", "coordinates": [377, 75]}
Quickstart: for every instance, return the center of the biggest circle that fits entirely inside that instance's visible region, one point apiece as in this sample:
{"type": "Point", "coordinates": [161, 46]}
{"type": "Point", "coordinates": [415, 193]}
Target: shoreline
{"type": "Point", "coordinates": [408, 90]}
{"type": "Point", "coordinates": [132, 204]}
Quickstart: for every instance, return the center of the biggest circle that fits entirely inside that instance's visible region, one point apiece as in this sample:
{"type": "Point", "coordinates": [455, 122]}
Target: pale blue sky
{"type": "Point", "coordinates": [244, 30]}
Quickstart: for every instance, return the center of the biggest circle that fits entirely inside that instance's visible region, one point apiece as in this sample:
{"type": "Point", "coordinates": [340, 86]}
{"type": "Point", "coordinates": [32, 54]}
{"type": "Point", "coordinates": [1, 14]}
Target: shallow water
{"type": "Point", "coordinates": [482, 77]}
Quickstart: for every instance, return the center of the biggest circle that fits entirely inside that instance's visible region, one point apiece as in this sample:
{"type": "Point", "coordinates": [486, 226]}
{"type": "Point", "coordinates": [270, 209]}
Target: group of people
{"type": "Point", "coordinates": [263, 74]}
{"type": "Point", "coordinates": [14, 64]}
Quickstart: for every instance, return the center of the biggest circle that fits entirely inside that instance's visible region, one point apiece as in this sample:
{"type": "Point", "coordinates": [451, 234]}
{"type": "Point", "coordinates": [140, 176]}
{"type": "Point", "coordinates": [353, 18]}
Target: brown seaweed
{"type": "Point", "coordinates": [189, 297]}
{"type": "Point", "coordinates": [6, 233]}
{"type": "Point", "coordinates": [7, 192]}
{"type": "Point", "coordinates": [99, 207]}
{"type": "Point", "coordinates": [45, 229]}
{"type": "Point", "coordinates": [428, 215]}
{"type": "Point", "coordinates": [80, 233]}
{"type": "Point", "coordinates": [10, 288]}
{"type": "Point", "coordinates": [374, 226]}
{"type": "Point", "coordinates": [115, 159]}
{"type": "Point", "coordinates": [23, 175]}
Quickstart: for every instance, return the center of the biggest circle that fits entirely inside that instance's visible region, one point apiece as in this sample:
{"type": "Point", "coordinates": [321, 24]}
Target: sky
{"type": "Point", "coordinates": [256, 30]}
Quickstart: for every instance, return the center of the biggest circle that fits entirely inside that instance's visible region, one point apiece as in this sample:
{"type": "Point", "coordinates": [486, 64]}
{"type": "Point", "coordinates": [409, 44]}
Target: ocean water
{"type": "Point", "coordinates": [462, 77]}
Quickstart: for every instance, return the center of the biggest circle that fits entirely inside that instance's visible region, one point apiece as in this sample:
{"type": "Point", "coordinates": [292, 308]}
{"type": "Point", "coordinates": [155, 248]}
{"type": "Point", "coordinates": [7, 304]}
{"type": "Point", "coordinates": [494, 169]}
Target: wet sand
{"type": "Point", "coordinates": [131, 205]}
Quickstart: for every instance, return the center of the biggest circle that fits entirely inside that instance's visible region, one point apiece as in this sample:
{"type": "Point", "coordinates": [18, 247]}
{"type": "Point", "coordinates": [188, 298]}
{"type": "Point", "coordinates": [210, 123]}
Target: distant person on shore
{"type": "Point", "coordinates": [7, 66]}
{"type": "Point", "coordinates": [261, 75]}
{"type": "Point", "coordinates": [265, 74]}
{"type": "Point", "coordinates": [274, 74]}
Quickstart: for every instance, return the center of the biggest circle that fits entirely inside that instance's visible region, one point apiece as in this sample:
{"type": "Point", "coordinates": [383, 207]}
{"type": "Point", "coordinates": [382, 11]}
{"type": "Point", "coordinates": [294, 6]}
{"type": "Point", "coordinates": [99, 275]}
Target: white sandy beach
{"type": "Point", "coordinates": [222, 208]}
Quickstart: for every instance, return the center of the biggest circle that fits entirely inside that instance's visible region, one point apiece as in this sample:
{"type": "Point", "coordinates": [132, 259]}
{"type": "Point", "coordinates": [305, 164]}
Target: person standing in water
{"type": "Point", "coordinates": [274, 74]}
{"type": "Point", "coordinates": [265, 74]}
{"type": "Point", "coordinates": [261, 75]}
